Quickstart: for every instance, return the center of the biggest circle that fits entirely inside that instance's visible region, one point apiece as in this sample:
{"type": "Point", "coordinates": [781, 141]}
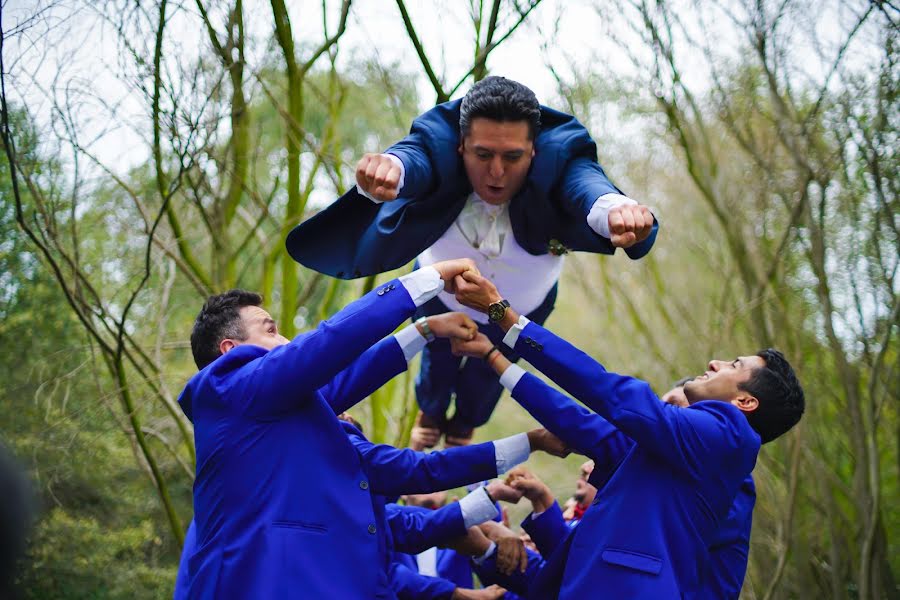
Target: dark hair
{"type": "Point", "coordinates": [500, 99]}
{"type": "Point", "coordinates": [682, 381]}
{"type": "Point", "coordinates": [781, 401]}
{"type": "Point", "coordinates": [220, 318]}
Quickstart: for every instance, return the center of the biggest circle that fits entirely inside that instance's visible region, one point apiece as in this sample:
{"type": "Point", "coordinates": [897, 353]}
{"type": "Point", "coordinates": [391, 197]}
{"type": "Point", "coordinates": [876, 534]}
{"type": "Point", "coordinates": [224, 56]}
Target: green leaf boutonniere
{"type": "Point", "coordinates": [556, 248]}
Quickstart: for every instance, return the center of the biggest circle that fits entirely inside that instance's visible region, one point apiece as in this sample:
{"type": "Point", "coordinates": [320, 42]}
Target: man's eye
{"type": "Point", "coordinates": [483, 155]}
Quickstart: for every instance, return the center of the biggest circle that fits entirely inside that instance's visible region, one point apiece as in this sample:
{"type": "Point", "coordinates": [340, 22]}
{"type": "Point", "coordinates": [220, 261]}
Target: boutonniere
{"type": "Point", "coordinates": [556, 248]}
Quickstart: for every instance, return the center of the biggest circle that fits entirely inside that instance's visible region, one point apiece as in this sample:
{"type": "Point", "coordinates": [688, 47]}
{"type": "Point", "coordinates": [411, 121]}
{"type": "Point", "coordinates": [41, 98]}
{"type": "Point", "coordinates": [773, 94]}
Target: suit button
{"type": "Point", "coordinates": [539, 347]}
{"type": "Point", "coordinates": [380, 292]}
{"type": "Point", "coordinates": [364, 484]}
{"type": "Point", "coordinates": [371, 528]}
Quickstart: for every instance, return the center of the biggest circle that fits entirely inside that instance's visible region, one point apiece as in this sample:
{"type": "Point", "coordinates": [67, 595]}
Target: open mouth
{"type": "Point", "coordinates": [495, 189]}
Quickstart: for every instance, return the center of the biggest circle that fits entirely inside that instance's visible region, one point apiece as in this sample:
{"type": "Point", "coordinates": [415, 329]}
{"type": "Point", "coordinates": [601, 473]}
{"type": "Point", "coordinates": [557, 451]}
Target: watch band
{"type": "Point", "coordinates": [426, 330]}
{"type": "Point", "coordinates": [489, 353]}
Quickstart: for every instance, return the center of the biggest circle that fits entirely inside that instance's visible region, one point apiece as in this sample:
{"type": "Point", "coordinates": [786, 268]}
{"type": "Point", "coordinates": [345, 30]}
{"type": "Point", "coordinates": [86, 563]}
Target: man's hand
{"type": "Point", "coordinates": [524, 481]}
{"type": "Point", "coordinates": [499, 490]}
{"type": "Point", "coordinates": [477, 347]}
{"type": "Point", "coordinates": [676, 396]}
{"type": "Point", "coordinates": [541, 439]}
{"type": "Point", "coordinates": [421, 438]}
{"type": "Point", "coordinates": [379, 176]}
{"type": "Point", "coordinates": [476, 292]}
{"type": "Point", "coordinates": [449, 270]}
{"type": "Point", "coordinates": [455, 325]}
{"type": "Point", "coordinates": [511, 553]}
{"type": "Point", "coordinates": [489, 593]}
{"type": "Point", "coordinates": [629, 224]}
{"type": "Point", "coordinates": [474, 543]}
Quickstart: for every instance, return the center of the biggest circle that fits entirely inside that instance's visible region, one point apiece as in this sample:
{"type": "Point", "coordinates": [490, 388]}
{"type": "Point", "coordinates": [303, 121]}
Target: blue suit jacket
{"type": "Point", "coordinates": [648, 533]}
{"type": "Point", "coordinates": [355, 237]}
{"type": "Point", "coordinates": [281, 499]}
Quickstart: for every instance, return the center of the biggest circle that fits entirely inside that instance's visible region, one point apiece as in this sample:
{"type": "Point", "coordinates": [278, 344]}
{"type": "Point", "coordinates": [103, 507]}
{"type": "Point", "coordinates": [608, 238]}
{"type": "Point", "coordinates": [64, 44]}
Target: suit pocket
{"type": "Point", "coordinates": [301, 525]}
{"type": "Point", "coordinates": [645, 563]}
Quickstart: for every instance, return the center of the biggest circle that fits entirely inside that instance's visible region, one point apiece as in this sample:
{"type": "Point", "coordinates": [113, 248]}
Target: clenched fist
{"type": "Point", "coordinates": [379, 175]}
{"type": "Point", "coordinates": [629, 224]}
{"type": "Point", "coordinates": [455, 325]}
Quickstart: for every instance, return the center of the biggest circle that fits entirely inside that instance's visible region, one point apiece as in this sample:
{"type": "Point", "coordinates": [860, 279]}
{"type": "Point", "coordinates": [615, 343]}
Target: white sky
{"type": "Point", "coordinates": [80, 57]}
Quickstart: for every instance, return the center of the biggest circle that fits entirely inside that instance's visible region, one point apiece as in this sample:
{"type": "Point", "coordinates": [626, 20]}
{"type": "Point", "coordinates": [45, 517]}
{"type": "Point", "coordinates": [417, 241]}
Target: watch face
{"type": "Point", "coordinates": [497, 310]}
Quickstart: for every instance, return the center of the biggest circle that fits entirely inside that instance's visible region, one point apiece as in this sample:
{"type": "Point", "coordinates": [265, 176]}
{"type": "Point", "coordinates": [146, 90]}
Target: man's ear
{"type": "Point", "coordinates": [746, 402]}
{"type": "Point", "coordinates": [460, 147]}
{"type": "Point", "coordinates": [226, 345]}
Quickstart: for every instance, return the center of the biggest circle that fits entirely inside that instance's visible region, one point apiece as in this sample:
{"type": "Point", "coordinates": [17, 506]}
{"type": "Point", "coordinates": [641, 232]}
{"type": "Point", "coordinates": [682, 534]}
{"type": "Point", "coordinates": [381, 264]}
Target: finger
{"type": "Point", "coordinates": [371, 169]}
{"type": "Point", "coordinates": [472, 276]}
{"type": "Point", "coordinates": [623, 240]}
{"type": "Point", "coordinates": [523, 558]}
{"type": "Point", "coordinates": [616, 223]}
{"type": "Point", "coordinates": [381, 173]}
{"type": "Point", "coordinates": [392, 180]}
{"type": "Point", "coordinates": [628, 218]}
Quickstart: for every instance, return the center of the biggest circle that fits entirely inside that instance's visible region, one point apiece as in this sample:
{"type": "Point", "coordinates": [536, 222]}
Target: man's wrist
{"type": "Point", "coordinates": [543, 501]}
{"type": "Point", "coordinates": [425, 329]}
{"type": "Point", "coordinates": [509, 319]}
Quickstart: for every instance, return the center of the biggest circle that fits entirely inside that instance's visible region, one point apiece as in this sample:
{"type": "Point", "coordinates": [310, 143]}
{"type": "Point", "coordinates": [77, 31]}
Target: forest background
{"type": "Point", "coordinates": [161, 150]}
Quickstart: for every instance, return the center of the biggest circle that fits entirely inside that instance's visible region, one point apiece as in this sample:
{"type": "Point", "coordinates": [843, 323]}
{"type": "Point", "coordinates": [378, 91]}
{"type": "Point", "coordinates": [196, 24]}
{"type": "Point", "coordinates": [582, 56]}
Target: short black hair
{"type": "Point", "coordinates": [780, 396]}
{"type": "Point", "coordinates": [220, 318]}
{"type": "Point", "coordinates": [500, 99]}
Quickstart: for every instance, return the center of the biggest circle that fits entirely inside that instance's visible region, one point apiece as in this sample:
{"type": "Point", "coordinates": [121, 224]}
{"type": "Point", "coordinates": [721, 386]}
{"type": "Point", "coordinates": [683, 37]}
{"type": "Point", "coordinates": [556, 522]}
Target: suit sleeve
{"type": "Point", "coordinates": [547, 529]}
{"type": "Point", "coordinates": [416, 529]}
{"type": "Point", "coordinates": [516, 582]}
{"type": "Point", "coordinates": [375, 367]}
{"type": "Point", "coordinates": [410, 585]}
{"type": "Point", "coordinates": [417, 167]}
{"type": "Point", "coordinates": [691, 440]}
{"type": "Point", "coordinates": [586, 432]}
{"type": "Point", "coordinates": [583, 182]}
{"type": "Point", "coordinates": [395, 471]}
{"type": "Point", "coordinates": [285, 374]}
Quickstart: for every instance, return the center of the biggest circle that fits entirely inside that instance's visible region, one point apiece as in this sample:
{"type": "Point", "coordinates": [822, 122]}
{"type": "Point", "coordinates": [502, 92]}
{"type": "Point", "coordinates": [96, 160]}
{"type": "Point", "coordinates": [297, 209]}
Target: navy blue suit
{"type": "Point", "coordinates": [355, 237]}
{"type": "Point", "coordinates": [649, 531]}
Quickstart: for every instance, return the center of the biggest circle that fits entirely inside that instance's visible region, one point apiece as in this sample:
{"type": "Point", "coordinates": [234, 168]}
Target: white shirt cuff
{"type": "Point", "coordinates": [396, 160]}
{"type": "Point", "coordinates": [477, 508]}
{"type": "Point", "coordinates": [535, 515]}
{"type": "Point", "coordinates": [411, 341]}
{"type": "Point", "coordinates": [487, 554]}
{"type": "Point", "coordinates": [598, 218]}
{"type": "Point", "coordinates": [511, 376]}
{"type": "Point", "coordinates": [422, 284]}
{"type": "Point", "coordinates": [511, 451]}
{"type": "Point", "coordinates": [512, 336]}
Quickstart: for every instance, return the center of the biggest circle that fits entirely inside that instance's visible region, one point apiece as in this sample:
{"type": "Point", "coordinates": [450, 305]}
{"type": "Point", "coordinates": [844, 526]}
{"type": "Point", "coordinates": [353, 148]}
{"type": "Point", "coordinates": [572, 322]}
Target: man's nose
{"type": "Point", "coordinates": [715, 365]}
{"type": "Point", "coordinates": [496, 167]}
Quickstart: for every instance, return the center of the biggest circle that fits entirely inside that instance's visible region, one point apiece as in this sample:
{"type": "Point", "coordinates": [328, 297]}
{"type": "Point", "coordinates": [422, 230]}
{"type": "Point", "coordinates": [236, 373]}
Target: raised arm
{"type": "Point", "coordinates": [689, 439]}
{"type": "Point", "coordinates": [416, 529]}
{"type": "Point", "coordinates": [395, 471]}
{"type": "Point", "coordinates": [390, 357]}
{"type": "Point", "coordinates": [587, 193]}
{"type": "Point", "coordinates": [279, 379]}
{"type": "Point", "coordinates": [583, 431]}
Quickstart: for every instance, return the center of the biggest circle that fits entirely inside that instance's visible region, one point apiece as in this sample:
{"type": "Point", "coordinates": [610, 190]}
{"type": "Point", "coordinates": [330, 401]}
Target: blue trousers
{"type": "Point", "coordinates": [474, 384]}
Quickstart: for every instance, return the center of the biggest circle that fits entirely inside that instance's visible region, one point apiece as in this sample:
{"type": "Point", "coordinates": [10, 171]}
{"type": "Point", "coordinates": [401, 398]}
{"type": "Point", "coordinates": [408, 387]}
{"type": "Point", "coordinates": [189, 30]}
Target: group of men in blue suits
{"type": "Point", "coordinates": [292, 502]}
